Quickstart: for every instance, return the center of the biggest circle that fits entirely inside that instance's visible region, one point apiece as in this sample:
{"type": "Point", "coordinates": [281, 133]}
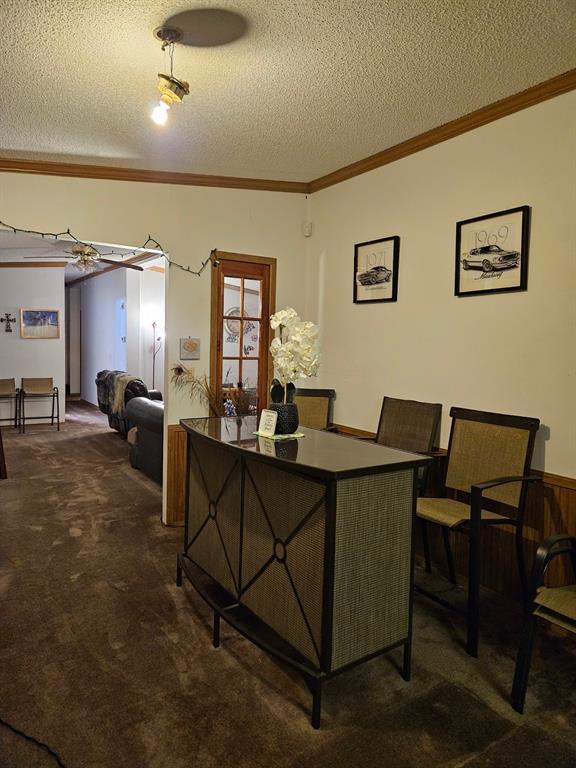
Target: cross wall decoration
{"type": "Point", "coordinates": [8, 320]}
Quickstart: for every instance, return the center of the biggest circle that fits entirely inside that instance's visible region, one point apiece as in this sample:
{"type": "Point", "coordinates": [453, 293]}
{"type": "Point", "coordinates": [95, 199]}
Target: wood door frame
{"type": "Point", "coordinates": [214, 320]}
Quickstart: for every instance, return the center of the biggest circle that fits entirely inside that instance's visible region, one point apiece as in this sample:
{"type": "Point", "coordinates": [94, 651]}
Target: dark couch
{"type": "Point", "coordinates": [146, 418]}
{"type": "Point", "coordinates": [105, 382]}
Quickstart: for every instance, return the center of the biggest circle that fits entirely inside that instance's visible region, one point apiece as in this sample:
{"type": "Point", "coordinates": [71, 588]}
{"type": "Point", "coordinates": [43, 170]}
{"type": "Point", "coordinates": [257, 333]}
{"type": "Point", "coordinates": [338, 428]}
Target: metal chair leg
{"type": "Point", "coordinates": [22, 413]}
{"type": "Point", "coordinates": [425, 544]}
{"type": "Point", "coordinates": [473, 591]}
{"type": "Point", "coordinates": [449, 556]}
{"type": "Point", "coordinates": [57, 409]}
{"type": "Point", "coordinates": [178, 572]}
{"type": "Point", "coordinates": [523, 661]}
{"type": "Point", "coordinates": [521, 562]}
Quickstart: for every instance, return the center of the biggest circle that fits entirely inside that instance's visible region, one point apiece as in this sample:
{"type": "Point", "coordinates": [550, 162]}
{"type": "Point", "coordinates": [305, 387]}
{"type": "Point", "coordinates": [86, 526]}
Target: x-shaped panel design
{"type": "Point", "coordinates": [212, 517]}
{"type": "Point", "coordinates": [279, 548]}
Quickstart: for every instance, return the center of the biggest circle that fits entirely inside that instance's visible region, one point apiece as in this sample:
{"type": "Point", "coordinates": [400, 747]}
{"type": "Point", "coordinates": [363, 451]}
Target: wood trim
{"type": "Point", "coordinates": [111, 173]}
{"type": "Point", "coordinates": [162, 270]}
{"type": "Point", "coordinates": [549, 89]}
{"type": "Point", "coordinates": [488, 114]}
{"type": "Point", "coordinates": [141, 257]}
{"type": "Point", "coordinates": [31, 264]}
{"type": "Point", "coordinates": [228, 256]}
{"type": "Point", "coordinates": [176, 469]}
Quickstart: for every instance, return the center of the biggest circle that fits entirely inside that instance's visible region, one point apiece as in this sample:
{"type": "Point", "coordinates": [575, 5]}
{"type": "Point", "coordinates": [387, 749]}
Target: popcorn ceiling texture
{"type": "Point", "coordinates": [312, 86]}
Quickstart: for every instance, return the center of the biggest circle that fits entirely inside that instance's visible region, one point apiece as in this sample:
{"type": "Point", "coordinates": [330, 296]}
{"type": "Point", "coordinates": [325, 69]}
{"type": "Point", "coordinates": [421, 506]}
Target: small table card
{"type": "Point", "coordinates": [267, 424]}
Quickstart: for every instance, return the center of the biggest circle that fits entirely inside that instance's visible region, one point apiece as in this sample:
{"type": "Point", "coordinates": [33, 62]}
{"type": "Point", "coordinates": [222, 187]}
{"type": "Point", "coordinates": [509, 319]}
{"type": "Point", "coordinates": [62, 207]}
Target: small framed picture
{"type": "Point", "coordinates": [376, 270]}
{"type": "Point", "coordinates": [40, 323]}
{"type": "Point", "coordinates": [492, 253]}
{"type": "Point", "coordinates": [189, 349]}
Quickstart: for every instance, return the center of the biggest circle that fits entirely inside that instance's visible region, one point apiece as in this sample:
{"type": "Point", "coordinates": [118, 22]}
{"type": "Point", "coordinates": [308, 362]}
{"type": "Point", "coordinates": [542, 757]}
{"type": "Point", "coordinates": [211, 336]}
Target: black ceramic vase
{"type": "Point", "coordinates": [287, 422]}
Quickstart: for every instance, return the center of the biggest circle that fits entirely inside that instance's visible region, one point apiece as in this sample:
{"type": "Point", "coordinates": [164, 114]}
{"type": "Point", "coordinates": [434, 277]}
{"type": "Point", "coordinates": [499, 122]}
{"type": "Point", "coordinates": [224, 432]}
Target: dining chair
{"type": "Point", "coordinates": [315, 407]}
{"type": "Point", "coordinates": [487, 477]}
{"type": "Point", "coordinates": [39, 389]}
{"type": "Point", "coordinates": [9, 392]}
{"type": "Point", "coordinates": [556, 605]}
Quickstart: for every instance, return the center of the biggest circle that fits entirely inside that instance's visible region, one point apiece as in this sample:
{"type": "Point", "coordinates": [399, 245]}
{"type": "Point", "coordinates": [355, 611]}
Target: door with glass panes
{"type": "Point", "coordinates": [241, 307]}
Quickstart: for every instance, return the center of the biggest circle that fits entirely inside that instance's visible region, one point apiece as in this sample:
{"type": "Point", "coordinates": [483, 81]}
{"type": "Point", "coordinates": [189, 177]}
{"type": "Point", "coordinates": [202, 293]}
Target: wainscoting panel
{"type": "Point", "coordinates": [176, 475]}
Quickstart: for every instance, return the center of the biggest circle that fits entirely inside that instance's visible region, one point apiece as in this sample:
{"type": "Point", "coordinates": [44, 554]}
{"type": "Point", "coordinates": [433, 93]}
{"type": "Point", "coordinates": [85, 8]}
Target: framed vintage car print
{"type": "Point", "coordinates": [492, 253]}
{"type": "Point", "coordinates": [376, 270]}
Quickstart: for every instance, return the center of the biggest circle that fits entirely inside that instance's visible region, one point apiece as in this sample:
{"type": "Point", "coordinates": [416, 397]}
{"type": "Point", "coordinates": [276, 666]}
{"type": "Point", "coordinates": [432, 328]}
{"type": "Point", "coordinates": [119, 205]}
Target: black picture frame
{"type": "Point", "coordinates": [492, 253]}
{"type": "Point", "coordinates": [376, 264]}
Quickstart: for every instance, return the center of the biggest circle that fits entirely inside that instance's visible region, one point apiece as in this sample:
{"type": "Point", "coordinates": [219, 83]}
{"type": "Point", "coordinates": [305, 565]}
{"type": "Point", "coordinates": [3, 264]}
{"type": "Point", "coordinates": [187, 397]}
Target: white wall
{"type": "Point", "coordinates": [100, 296]}
{"type": "Point", "coordinates": [511, 352]}
{"type": "Point", "coordinates": [188, 221]}
{"type": "Point", "coordinates": [152, 287]}
{"type": "Point", "coordinates": [37, 288]}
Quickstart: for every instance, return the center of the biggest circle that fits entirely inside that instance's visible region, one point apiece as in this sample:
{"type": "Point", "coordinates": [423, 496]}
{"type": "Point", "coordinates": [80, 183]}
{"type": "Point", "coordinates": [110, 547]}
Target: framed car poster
{"type": "Point", "coordinates": [376, 270]}
{"type": "Point", "coordinates": [492, 253]}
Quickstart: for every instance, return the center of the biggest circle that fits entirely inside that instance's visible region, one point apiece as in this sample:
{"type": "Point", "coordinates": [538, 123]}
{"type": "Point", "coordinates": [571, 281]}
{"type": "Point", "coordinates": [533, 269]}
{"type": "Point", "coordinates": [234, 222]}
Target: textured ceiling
{"type": "Point", "coordinates": [313, 84]}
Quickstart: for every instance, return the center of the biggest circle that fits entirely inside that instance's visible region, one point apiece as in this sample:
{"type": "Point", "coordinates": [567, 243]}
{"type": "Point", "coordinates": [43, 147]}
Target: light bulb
{"type": "Point", "coordinates": [160, 113]}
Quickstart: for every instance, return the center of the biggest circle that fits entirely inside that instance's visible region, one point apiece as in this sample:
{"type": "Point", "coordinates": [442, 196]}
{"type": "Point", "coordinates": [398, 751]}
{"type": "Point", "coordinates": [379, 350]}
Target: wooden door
{"type": "Point", "coordinates": [243, 298]}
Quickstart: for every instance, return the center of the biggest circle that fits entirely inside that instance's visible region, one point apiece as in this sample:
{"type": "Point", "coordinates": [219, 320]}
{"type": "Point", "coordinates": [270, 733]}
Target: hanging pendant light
{"type": "Point", "coordinates": [172, 90]}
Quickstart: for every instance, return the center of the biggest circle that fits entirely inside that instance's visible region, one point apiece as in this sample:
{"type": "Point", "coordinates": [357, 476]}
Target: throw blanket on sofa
{"type": "Point", "coordinates": [120, 384]}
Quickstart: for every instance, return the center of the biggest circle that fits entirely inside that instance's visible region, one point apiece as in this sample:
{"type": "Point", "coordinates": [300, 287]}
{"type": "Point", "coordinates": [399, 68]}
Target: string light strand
{"type": "Point", "coordinates": [68, 234]}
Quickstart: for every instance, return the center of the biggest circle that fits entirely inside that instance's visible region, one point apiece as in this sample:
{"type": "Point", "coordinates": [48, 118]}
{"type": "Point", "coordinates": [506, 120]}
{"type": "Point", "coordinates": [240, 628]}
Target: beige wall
{"type": "Point", "coordinates": [188, 221]}
{"type": "Point", "coordinates": [510, 352]}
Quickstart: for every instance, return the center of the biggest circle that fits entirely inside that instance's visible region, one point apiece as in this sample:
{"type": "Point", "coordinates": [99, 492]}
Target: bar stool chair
{"type": "Point", "coordinates": [37, 389]}
{"type": "Point", "coordinates": [9, 392]}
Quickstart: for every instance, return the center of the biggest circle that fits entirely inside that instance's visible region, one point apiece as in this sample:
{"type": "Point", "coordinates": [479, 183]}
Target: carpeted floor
{"type": "Point", "coordinates": [104, 659]}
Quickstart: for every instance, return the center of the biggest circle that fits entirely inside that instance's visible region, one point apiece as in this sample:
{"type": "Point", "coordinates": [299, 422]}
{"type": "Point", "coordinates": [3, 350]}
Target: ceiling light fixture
{"type": "Point", "coordinates": [172, 90]}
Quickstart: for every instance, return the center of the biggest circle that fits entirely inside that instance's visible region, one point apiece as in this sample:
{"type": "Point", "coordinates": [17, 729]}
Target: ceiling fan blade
{"type": "Point", "coordinates": [54, 257]}
{"type": "Point", "coordinates": [122, 264]}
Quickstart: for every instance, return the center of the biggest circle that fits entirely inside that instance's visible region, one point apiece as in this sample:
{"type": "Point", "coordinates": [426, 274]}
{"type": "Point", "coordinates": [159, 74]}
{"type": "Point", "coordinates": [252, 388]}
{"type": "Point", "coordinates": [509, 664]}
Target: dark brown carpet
{"type": "Point", "coordinates": [103, 658]}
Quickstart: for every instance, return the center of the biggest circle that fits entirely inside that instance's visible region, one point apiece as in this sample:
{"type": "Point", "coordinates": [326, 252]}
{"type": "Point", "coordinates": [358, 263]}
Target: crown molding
{"type": "Point", "coordinates": [528, 98]}
{"type": "Point", "coordinates": [556, 86]}
{"type": "Point", "coordinates": [112, 173]}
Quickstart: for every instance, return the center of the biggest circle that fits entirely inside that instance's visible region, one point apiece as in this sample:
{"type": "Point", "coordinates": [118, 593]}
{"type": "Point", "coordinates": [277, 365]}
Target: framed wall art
{"type": "Point", "coordinates": [376, 270]}
{"type": "Point", "coordinates": [189, 349]}
{"type": "Point", "coordinates": [492, 252]}
{"type": "Point", "coordinates": [40, 323]}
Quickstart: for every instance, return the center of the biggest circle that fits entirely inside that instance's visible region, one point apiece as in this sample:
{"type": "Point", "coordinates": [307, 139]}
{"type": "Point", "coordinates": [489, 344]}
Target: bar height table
{"type": "Point", "coordinates": [304, 546]}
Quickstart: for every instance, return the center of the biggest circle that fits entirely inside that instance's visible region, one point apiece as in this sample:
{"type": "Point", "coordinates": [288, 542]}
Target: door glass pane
{"type": "Point", "coordinates": [231, 338]}
{"type": "Point", "coordinates": [250, 375]}
{"type": "Point", "coordinates": [232, 296]}
{"type": "Point", "coordinates": [230, 373]}
{"type": "Point", "coordinates": [250, 342]}
{"type": "Point", "coordinates": [252, 302]}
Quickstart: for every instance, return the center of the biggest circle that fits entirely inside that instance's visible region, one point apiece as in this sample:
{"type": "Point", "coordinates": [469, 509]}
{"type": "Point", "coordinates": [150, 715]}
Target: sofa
{"type": "Point", "coordinates": [106, 384]}
{"type": "Point", "coordinates": [146, 435]}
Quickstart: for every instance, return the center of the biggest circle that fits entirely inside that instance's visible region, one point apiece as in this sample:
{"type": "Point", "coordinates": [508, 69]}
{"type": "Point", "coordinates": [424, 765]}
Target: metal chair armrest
{"type": "Point", "coordinates": [481, 487]}
{"type": "Point", "coordinates": [546, 552]}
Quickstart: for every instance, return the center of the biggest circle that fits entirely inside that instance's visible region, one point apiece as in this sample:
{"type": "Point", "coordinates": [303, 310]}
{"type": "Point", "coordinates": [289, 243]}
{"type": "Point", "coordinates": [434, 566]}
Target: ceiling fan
{"type": "Point", "coordinates": [86, 259]}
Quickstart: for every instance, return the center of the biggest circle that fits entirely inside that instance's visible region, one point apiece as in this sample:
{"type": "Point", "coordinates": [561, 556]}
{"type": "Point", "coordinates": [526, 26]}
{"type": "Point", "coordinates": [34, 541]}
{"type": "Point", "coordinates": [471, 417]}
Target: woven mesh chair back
{"type": "Point", "coordinates": [409, 425]}
{"type": "Point", "coordinates": [38, 386]}
{"type": "Point", "coordinates": [482, 451]}
{"type": "Point", "coordinates": [314, 408]}
{"type": "Point", "coordinates": [7, 387]}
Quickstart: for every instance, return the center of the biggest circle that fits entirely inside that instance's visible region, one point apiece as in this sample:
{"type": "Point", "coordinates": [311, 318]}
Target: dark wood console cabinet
{"type": "Point", "coordinates": [304, 546]}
